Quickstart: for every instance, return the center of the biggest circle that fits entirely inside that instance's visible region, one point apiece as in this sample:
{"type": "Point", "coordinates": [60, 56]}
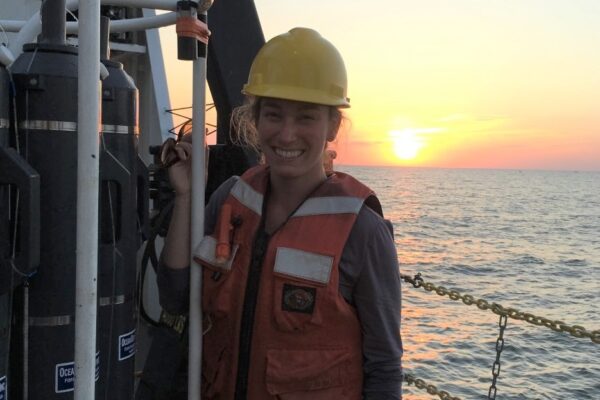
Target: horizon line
{"type": "Point", "coordinates": [466, 168]}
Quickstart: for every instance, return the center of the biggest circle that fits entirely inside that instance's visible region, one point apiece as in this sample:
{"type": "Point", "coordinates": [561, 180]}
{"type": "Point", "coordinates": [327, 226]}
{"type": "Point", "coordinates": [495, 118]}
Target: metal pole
{"type": "Point", "coordinates": [53, 22]}
{"type": "Point", "coordinates": [203, 5]}
{"type": "Point", "coordinates": [32, 27]}
{"type": "Point", "coordinates": [197, 225]}
{"type": "Point", "coordinates": [88, 127]}
{"type": "Point", "coordinates": [120, 25]}
{"type": "Point", "coordinates": [104, 38]}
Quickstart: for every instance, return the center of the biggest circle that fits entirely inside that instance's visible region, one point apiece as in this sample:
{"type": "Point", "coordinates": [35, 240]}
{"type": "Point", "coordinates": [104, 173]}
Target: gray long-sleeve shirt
{"type": "Point", "coordinates": [369, 280]}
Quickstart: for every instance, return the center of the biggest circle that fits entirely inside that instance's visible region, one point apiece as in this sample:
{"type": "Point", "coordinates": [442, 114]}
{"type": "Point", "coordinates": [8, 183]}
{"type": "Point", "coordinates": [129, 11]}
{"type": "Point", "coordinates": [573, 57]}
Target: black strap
{"type": "Point", "coordinates": [373, 203]}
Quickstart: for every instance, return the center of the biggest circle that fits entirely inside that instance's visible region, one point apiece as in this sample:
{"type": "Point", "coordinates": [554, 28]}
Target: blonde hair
{"type": "Point", "coordinates": [242, 127]}
{"type": "Point", "coordinates": [244, 120]}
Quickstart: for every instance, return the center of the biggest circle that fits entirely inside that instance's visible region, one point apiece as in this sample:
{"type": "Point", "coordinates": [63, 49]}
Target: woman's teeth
{"type": "Point", "coordinates": [288, 153]}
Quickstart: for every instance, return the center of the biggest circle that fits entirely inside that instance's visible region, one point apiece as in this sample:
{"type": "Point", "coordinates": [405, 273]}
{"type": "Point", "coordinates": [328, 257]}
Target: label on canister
{"type": "Point", "coordinates": [64, 377]}
{"type": "Point", "coordinates": [127, 345]}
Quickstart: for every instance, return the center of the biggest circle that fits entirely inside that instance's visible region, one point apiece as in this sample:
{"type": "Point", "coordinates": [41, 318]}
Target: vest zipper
{"type": "Point", "coordinates": [247, 324]}
{"type": "Point", "coordinates": [259, 249]}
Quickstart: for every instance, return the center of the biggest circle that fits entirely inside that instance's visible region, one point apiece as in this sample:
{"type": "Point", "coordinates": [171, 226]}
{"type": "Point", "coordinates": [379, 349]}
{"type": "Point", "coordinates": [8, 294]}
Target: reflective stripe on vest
{"type": "Point", "coordinates": [205, 251]}
{"type": "Point", "coordinates": [246, 195]}
{"type": "Point", "coordinates": [329, 205]}
{"type": "Point", "coordinates": [303, 264]}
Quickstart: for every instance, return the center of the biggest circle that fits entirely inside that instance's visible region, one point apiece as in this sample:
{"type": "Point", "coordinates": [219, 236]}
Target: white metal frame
{"type": "Point", "coordinates": [88, 167]}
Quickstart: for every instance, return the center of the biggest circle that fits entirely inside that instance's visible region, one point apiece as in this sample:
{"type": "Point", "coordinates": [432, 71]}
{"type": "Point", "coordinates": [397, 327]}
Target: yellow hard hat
{"type": "Point", "coordinates": [299, 65]}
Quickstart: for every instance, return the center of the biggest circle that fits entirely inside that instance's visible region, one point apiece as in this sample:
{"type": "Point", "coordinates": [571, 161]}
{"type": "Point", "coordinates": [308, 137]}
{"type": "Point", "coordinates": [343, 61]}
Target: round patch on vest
{"type": "Point", "coordinates": [298, 298]}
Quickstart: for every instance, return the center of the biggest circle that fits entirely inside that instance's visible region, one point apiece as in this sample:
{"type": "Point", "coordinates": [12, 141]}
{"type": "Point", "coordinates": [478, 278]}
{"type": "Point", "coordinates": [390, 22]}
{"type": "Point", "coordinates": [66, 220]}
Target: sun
{"type": "Point", "coordinates": [406, 143]}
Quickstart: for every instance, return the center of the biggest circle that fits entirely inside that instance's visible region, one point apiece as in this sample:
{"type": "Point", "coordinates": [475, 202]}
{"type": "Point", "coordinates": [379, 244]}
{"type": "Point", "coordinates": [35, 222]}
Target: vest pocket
{"type": "Point", "coordinates": [217, 288]}
{"type": "Point", "coordinates": [316, 374]}
{"type": "Point", "coordinates": [217, 294]}
{"type": "Point", "coordinates": [296, 305]}
{"type": "Point", "coordinates": [214, 374]}
{"type": "Point", "coordinates": [205, 254]}
{"type": "Point", "coordinates": [300, 288]}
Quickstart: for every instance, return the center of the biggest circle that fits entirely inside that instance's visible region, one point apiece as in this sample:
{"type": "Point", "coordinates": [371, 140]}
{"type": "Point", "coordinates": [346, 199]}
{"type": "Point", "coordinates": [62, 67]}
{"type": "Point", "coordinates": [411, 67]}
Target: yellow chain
{"type": "Point", "coordinates": [431, 389]}
{"type": "Point", "coordinates": [577, 331]}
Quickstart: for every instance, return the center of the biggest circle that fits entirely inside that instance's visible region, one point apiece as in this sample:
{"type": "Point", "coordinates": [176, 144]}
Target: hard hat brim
{"type": "Point", "coordinates": [296, 94]}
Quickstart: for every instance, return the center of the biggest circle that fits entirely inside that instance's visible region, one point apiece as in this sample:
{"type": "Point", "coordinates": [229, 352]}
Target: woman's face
{"type": "Point", "coordinates": [293, 136]}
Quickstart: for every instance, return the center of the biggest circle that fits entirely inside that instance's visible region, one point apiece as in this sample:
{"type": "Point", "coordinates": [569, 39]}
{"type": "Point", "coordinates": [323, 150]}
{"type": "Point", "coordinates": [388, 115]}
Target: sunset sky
{"type": "Point", "coordinates": [459, 83]}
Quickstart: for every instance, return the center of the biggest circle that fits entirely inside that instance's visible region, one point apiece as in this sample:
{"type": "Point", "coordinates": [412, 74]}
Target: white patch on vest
{"type": "Point", "coordinates": [247, 196]}
{"type": "Point", "coordinates": [329, 205]}
{"type": "Point", "coordinates": [205, 251]}
{"type": "Point", "coordinates": [303, 264]}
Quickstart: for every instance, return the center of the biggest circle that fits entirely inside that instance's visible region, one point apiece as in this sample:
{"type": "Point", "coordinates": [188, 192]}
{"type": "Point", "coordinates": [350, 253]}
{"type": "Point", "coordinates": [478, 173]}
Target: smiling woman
{"type": "Point", "coordinates": [320, 319]}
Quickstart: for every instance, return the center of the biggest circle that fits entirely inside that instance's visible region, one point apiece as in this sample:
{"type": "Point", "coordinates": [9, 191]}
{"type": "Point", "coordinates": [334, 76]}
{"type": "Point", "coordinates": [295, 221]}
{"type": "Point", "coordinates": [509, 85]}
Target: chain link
{"type": "Point", "coordinates": [496, 365]}
{"type": "Point", "coordinates": [577, 331]}
{"type": "Point", "coordinates": [431, 389]}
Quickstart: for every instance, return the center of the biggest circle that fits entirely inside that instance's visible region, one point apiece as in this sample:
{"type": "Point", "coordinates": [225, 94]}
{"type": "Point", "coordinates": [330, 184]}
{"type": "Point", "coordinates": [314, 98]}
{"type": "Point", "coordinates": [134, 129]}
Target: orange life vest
{"type": "Point", "coordinates": [276, 325]}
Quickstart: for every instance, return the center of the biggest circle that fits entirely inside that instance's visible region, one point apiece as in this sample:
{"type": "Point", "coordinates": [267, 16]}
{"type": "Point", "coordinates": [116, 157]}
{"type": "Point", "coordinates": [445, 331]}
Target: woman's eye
{"type": "Point", "coordinates": [271, 115]}
{"type": "Point", "coordinates": [307, 117]}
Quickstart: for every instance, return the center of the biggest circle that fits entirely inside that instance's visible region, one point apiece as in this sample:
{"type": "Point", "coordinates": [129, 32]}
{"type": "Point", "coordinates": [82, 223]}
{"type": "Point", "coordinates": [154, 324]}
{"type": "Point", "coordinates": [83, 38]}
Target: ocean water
{"type": "Point", "coordinates": [523, 239]}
